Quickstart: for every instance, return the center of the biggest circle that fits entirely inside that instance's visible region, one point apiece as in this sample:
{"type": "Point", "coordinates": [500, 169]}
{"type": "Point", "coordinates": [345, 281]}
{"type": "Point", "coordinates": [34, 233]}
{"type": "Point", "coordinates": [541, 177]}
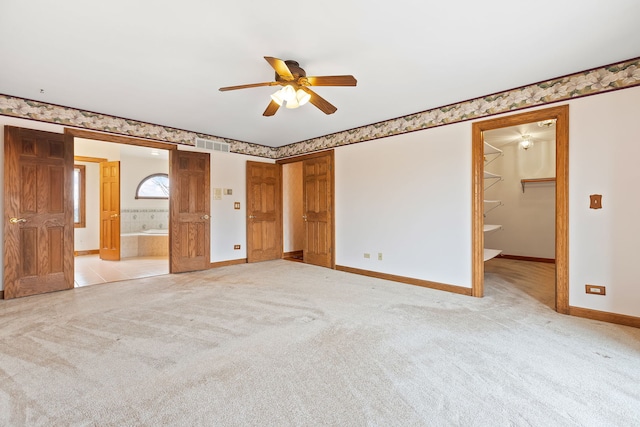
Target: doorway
{"type": "Point", "coordinates": [124, 232]}
{"type": "Point", "coordinates": [309, 208]}
{"type": "Point", "coordinates": [519, 209]}
{"type": "Point", "coordinates": [561, 117]}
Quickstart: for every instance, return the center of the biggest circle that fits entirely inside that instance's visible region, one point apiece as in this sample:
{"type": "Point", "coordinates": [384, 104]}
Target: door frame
{"type": "Point", "coordinates": [331, 155]}
{"type": "Point", "coordinates": [71, 133]}
{"type": "Point", "coordinates": [561, 114]}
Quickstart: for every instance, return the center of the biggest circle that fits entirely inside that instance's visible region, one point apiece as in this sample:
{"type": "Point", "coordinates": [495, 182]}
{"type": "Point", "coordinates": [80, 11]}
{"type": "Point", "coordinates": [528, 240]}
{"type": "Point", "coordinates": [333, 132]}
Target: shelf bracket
{"type": "Point", "coordinates": [524, 181]}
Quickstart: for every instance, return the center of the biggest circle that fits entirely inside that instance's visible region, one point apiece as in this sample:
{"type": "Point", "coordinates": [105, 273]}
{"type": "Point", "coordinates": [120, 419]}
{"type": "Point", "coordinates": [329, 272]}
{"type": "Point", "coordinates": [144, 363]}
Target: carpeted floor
{"type": "Point", "coordinates": [283, 343]}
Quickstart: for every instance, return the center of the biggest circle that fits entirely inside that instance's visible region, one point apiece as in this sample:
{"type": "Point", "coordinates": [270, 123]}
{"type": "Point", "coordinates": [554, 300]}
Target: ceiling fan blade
{"type": "Point", "coordinates": [280, 67]}
{"type": "Point", "coordinates": [332, 81]}
{"type": "Point", "coordinates": [223, 89]}
{"type": "Point", "coordinates": [324, 105]}
{"type": "Point", "coordinates": [271, 109]}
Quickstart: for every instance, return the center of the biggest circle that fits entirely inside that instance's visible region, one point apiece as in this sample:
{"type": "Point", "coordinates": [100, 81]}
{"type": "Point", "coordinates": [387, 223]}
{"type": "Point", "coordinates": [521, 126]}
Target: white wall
{"type": "Point", "coordinates": [88, 238]}
{"type": "Point", "coordinates": [228, 225]}
{"type": "Point", "coordinates": [409, 198]}
{"type": "Point", "coordinates": [527, 219]}
{"type": "Point", "coordinates": [292, 206]}
{"type": "Point", "coordinates": [604, 158]}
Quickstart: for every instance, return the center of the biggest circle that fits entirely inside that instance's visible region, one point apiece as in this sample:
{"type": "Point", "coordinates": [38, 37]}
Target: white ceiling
{"type": "Point", "coordinates": [513, 134]}
{"type": "Point", "coordinates": [163, 61]}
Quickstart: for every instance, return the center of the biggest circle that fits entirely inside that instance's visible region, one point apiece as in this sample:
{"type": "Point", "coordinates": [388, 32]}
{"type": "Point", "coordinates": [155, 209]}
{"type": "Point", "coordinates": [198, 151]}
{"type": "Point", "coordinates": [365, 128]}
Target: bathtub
{"type": "Point", "coordinates": [152, 242]}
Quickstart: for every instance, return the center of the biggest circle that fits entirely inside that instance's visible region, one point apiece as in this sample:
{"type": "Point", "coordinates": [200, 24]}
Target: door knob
{"type": "Point", "coordinates": [251, 216]}
{"type": "Point", "coordinates": [15, 220]}
{"type": "Point", "coordinates": [205, 217]}
{"type": "Point", "coordinates": [304, 217]}
{"type": "Point", "coordinates": [114, 216]}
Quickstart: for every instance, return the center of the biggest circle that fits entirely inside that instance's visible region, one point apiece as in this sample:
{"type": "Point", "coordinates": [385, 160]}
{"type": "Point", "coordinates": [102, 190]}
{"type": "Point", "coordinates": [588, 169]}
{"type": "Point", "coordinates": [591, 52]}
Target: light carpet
{"type": "Point", "coordinates": [287, 344]}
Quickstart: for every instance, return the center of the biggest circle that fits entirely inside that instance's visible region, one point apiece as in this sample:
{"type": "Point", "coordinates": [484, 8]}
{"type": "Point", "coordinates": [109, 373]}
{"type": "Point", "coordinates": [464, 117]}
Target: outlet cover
{"type": "Point", "coordinates": [367, 256]}
{"type": "Point", "coordinates": [236, 247]}
{"type": "Point", "coordinates": [595, 289]}
{"type": "Point", "coordinates": [379, 256]}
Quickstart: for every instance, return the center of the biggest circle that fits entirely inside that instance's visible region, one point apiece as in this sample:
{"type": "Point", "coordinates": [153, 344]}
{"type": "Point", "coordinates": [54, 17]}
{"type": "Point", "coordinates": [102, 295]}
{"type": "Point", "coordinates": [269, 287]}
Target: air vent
{"type": "Point", "coordinates": [208, 144]}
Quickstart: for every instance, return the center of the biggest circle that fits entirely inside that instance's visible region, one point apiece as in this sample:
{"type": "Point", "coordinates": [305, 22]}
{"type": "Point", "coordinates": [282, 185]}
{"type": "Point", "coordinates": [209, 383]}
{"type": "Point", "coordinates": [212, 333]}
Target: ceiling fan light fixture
{"type": "Point", "coordinates": [277, 97]}
{"type": "Point", "coordinates": [302, 97]}
{"type": "Point", "coordinates": [293, 103]}
{"type": "Point", "coordinates": [288, 93]}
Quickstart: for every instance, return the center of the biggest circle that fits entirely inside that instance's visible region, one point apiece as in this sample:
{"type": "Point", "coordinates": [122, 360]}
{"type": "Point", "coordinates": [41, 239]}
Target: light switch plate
{"type": "Point", "coordinates": [596, 201]}
{"type": "Point", "coordinates": [236, 205]}
{"type": "Point", "coordinates": [217, 194]}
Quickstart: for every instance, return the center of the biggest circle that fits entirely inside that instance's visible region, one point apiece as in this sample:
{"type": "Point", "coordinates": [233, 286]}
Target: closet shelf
{"type": "Point", "coordinates": [491, 227]}
{"type": "Point", "coordinates": [491, 253]}
{"type": "Point", "coordinates": [491, 153]}
{"type": "Point", "coordinates": [532, 180]}
{"type": "Point", "coordinates": [490, 149]}
{"type": "Point", "coordinates": [489, 175]}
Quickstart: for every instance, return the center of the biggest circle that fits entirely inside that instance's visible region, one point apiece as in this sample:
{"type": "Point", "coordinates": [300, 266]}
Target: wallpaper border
{"type": "Point", "coordinates": [621, 75]}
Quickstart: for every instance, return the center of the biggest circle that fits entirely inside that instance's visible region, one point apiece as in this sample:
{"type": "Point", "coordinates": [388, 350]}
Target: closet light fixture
{"type": "Point", "coordinates": [526, 142]}
{"type": "Point", "coordinates": [547, 123]}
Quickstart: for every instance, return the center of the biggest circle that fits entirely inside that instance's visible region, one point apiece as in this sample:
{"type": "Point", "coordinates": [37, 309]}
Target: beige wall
{"type": "Point", "coordinates": [293, 224]}
{"type": "Point", "coordinates": [527, 218]}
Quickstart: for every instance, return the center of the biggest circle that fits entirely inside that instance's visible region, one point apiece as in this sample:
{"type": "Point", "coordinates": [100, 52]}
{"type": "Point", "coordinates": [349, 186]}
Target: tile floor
{"type": "Point", "coordinates": [91, 270]}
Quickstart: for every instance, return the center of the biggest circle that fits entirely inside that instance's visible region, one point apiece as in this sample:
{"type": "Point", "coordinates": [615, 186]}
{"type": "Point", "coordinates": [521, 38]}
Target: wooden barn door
{"type": "Point", "coordinates": [38, 208]}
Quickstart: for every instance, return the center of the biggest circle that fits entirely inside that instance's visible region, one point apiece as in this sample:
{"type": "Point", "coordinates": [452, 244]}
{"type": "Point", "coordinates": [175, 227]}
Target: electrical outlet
{"type": "Point", "coordinates": [367, 256]}
{"type": "Point", "coordinates": [236, 247]}
{"type": "Point", "coordinates": [595, 289]}
{"type": "Point", "coordinates": [379, 256]}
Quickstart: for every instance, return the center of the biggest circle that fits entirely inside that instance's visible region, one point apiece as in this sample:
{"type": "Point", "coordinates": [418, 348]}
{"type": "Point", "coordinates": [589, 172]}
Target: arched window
{"type": "Point", "coordinates": [154, 186]}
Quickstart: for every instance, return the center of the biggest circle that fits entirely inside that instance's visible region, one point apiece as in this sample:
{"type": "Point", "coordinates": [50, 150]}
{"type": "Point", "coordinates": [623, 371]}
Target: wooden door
{"type": "Point", "coordinates": [264, 211]}
{"type": "Point", "coordinates": [110, 211]}
{"type": "Point", "coordinates": [38, 208]}
{"type": "Point", "coordinates": [318, 210]}
{"type": "Point", "coordinates": [189, 203]}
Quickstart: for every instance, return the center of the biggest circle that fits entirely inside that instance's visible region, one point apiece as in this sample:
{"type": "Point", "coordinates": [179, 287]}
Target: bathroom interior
{"type": "Point", "coordinates": [143, 212]}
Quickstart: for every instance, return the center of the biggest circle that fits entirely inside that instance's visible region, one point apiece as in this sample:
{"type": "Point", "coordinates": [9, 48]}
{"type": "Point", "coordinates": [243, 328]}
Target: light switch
{"type": "Point", "coordinates": [236, 205]}
{"type": "Point", "coordinates": [596, 201]}
{"type": "Point", "coordinates": [217, 194]}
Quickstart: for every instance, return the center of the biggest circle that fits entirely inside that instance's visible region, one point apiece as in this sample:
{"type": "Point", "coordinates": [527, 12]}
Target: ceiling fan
{"type": "Point", "coordinates": [295, 87]}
